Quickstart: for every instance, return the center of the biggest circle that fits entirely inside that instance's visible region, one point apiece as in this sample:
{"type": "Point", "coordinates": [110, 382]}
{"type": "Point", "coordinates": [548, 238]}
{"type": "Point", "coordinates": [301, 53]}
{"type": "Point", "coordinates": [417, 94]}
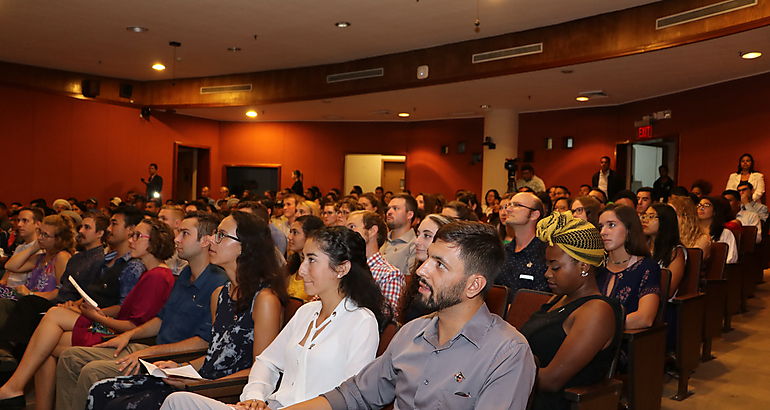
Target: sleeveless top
{"type": "Point", "coordinates": [232, 339]}
{"type": "Point", "coordinates": [42, 278]}
{"type": "Point", "coordinates": [545, 335]}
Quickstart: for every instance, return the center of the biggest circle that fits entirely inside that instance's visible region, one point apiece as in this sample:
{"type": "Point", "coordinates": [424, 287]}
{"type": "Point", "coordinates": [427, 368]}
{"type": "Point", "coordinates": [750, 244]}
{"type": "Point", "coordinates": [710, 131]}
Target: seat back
{"type": "Point", "coordinates": [665, 285]}
{"type": "Point", "coordinates": [717, 259]}
{"type": "Point", "coordinates": [497, 300]}
{"type": "Point", "coordinates": [291, 308]}
{"type": "Point", "coordinates": [524, 304]}
{"type": "Point", "coordinates": [749, 235]}
{"type": "Point", "coordinates": [738, 234]}
{"type": "Point", "coordinates": [619, 338]}
{"type": "Point", "coordinates": [691, 278]}
{"type": "Point", "coordinates": [386, 336]}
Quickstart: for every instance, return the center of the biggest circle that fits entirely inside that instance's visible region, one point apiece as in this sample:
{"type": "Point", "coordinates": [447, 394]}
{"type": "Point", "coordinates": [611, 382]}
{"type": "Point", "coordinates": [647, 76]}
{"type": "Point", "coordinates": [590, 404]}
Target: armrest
{"type": "Point", "coordinates": [181, 356]}
{"type": "Point", "coordinates": [603, 388]}
{"type": "Point", "coordinates": [686, 298]}
{"type": "Point", "coordinates": [196, 385]}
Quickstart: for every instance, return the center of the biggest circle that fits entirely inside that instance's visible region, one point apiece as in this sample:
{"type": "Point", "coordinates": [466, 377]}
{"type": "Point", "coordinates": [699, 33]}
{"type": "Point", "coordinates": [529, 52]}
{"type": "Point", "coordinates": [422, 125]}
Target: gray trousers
{"type": "Point", "coordinates": [80, 367]}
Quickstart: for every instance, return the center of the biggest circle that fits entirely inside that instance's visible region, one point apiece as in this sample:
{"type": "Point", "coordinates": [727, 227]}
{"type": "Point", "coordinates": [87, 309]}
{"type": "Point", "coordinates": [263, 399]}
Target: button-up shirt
{"type": "Point", "coordinates": [85, 268]}
{"type": "Point", "coordinates": [187, 311]}
{"type": "Point", "coordinates": [388, 277]}
{"type": "Point", "coordinates": [400, 252]}
{"type": "Point", "coordinates": [487, 365]}
{"type": "Point", "coordinates": [759, 208]}
{"type": "Point", "coordinates": [524, 269]}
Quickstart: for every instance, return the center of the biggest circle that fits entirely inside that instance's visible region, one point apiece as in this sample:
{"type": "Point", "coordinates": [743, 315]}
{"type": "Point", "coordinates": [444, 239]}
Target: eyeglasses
{"type": "Point", "coordinates": [704, 205]}
{"type": "Point", "coordinates": [512, 205]}
{"type": "Point", "coordinates": [43, 234]}
{"type": "Point", "coordinates": [138, 235]}
{"type": "Point", "coordinates": [578, 210]}
{"type": "Point", "coordinates": [648, 217]}
{"type": "Point", "coordinates": [742, 189]}
{"type": "Point", "coordinates": [219, 235]}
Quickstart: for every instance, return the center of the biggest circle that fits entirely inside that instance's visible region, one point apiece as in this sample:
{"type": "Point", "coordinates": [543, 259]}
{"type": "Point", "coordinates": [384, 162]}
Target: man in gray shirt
{"type": "Point", "coordinates": [399, 249]}
{"type": "Point", "coordinates": [460, 357]}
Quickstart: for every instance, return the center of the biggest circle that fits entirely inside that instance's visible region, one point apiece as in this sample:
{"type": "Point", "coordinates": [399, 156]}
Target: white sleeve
{"type": "Point", "coordinates": [732, 248]}
{"type": "Point", "coordinates": [759, 186]}
{"type": "Point", "coordinates": [732, 183]}
{"type": "Point", "coordinates": [268, 366]}
{"type": "Point", "coordinates": [363, 347]}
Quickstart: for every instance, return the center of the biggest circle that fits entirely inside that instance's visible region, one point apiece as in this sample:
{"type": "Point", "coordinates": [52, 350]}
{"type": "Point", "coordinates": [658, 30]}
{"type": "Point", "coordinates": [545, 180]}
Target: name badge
{"type": "Point", "coordinates": [528, 277]}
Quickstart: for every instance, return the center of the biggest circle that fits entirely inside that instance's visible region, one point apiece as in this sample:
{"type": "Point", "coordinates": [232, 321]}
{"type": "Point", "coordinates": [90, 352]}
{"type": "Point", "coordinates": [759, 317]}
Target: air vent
{"type": "Point", "coordinates": [702, 13]}
{"type": "Point", "coordinates": [507, 53]}
{"type": "Point", "coordinates": [219, 89]}
{"type": "Point", "coordinates": [593, 94]}
{"type": "Point", "coordinates": [355, 75]}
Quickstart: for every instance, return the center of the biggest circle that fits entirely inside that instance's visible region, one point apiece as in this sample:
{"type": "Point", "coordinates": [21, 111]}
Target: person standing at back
{"type": "Point", "coordinates": [606, 179]}
{"type": "Point", "coordinates": [154, 183]}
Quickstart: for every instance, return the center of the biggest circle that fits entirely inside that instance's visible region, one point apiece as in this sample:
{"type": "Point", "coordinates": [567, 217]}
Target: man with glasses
{"type": "Point", "coordinates": [524, 266]}
{"type": "Point", "coordinates": [745, 217]}
{"type": "Point", "coordinates": [329, 213]}
{"type": "Point", "coordinates": [183, 324]}
{"type": "Point", "coordinates": [747, 200]}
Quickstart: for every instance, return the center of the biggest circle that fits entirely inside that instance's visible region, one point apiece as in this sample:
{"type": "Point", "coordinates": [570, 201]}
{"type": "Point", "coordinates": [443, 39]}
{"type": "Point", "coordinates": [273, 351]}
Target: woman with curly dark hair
{"type": "Point", "coordinates": [152, 242]}
{"type": "Point", "coordinates": [326, 341]}
{"type": "Point", "coordinates": [243, 247]}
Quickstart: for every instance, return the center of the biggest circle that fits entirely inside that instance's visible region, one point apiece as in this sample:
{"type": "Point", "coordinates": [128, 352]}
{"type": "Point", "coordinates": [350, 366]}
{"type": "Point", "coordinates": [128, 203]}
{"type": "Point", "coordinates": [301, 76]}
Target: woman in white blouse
{"type": "Point", "coordinates": [326, 341]}
{"type": "Point", "coordinates": [746, 172]}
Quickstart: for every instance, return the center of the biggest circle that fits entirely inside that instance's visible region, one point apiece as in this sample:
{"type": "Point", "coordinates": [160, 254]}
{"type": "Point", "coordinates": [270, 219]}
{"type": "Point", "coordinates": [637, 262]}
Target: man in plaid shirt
{"type": "Point", "coordinates": [372, 228]}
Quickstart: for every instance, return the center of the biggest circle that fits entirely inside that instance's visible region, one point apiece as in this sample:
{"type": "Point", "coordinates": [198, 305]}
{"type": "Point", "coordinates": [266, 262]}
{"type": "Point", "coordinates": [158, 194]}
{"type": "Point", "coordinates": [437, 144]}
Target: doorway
{"type": "Point", "coordinates": [639, 160]}
{"type": "Point", "coordinates": [255, 179]}
{"type": "Point", "coordinates": [191, 171]}
{"type": "Point", "coordinates": [372, 170]}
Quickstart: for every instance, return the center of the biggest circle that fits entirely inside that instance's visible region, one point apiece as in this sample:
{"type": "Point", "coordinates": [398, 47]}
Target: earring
{"type": "Point", "coordinates": [583, 273]}
{"type": "Point", "coordinates": [339, 276]}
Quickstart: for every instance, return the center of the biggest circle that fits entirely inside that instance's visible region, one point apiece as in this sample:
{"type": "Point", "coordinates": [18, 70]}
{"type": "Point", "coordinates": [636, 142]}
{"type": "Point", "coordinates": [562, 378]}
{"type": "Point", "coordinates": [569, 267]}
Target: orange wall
{"type": "Point", "coordinates": [715, 125]}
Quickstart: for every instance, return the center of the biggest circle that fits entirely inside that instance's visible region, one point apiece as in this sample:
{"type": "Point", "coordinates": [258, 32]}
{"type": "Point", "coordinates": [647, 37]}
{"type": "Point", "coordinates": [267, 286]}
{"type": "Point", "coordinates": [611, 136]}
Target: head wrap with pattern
{"type": "Point", "coordinates": [579, 238]}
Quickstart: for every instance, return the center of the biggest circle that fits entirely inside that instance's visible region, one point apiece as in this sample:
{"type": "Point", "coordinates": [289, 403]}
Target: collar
{"type": "Point", "coordinates": [407, 237]}
{"type": "Point", "coordinates": [473, 331]}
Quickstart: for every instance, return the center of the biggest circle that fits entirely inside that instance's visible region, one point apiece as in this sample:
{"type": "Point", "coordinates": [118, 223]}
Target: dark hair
{"type": "Point", "coordinates": [464, 212]}
{"type": "Point", "coordinates": [543, 204]}
{"type": "Point", "coordinates": [721, 210]}
{"type": "Point", "coordinates": [258, 266]}
{"type": "Point", "coordinates": [308, 224]}
{"type": "Point", "coordinates": [562, 198]}
{"type": "Point", "coordinates": [161, 242]}
{"type": "Point", "coordinates": [667, 238]}
{"type": "Point", "coordinates": [39, 202]}
{"type": "Point", "coordinates": [704, 186]}
{"type": "Point", "coordinates": [662, 167]}
{"type": "Point", "coordinates": [101, 223]}
{"type": "Point", "coordinates": [37, 213]}
{"type": "Point", "coordinates": [562, 187]}
{"type": "Point", "coordinates": [256, 208]}
{"type": "Point", "coordinates": [411, 204]}
{"type": "Point", "coordinates": [469, 198]}
{"type": "Point", "coordinates": [625, 193]}
{"type": "Point", "coordinates": [371, 219]}
{"type": "Point", "coordinates": [357, 189]}
{"type": "Point", "coordinates": [587, 186]}
{"type": "Point", "coordinates": [608, 158]}
{"type": "Point", "coordinates": [431, 204]}
{"type": "Point", "coordinates": [480, 248]}
{"type": "Point", "coordinates": [635, 243]}
{"type": "Point", "coordinates": [746, 183]}
{"type": "Point", "coordinates": [152, 164]}
{"type": "Point", "coordinates": [751, 168]}
{"type": "Point", "coordinates": [207, 223]}
{"type": "Point", "coordinates": [527, 167]}
{"type": "Point", "coordinates": [131, 215]}
{"type": "Point", "coordinates": [732, 192]}
{"type": "Point", "coordinates": [644, 189]}
{"type": "Point", "coordinates": [680, 191]}
{"type": "Point", "coordinates": [496, 194]}
{"type": "Point", "coordinates": [601, 191]}
{"type": "Point", "coordinates": [374, 201]}
{"type": "Point", "coordinates": [341, 244]}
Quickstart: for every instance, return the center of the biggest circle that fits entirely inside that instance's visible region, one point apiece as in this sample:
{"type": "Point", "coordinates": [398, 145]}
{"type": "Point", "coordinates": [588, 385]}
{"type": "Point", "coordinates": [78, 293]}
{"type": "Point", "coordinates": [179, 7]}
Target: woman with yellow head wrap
{"type": "Point", "coordinates": [573, 335]}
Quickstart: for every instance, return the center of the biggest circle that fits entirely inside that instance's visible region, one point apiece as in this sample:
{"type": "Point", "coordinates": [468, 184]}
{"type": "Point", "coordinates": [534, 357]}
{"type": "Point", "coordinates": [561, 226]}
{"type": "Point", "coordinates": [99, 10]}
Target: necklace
{"type": "Point", "coordinates": [621, 262]}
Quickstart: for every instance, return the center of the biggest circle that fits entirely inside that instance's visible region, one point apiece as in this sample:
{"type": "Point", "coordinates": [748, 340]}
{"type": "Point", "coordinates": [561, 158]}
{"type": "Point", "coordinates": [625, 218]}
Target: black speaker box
{"type": "Point", "coordinates": [126, 90]}
{"type": "Point", "coordinates": [90, 88]}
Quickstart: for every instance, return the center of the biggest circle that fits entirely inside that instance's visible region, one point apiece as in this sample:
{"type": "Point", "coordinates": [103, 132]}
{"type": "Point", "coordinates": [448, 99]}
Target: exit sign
{"type": "Point", "coordinates": [644, 132]}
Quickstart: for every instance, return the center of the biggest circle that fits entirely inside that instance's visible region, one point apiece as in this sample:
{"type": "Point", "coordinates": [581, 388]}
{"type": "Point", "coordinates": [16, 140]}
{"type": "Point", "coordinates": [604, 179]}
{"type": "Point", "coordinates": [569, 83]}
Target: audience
{"type": "Point", "coordinates": [573, 336]}
{"type": "Point", "coordinates": [700, 188]}
{"type": "Point", "coordinates": [370, 203]}
{"type": "Point", "coordinates": [315, 351]}
{"type": "Point", "coordinates": [630, 275]}
{"type": "Point", "coordinates": [713, 215]}
{"type": "Point", "coordinates": [29, 220]}
{"type": "Point", "coordinates": [690, 232]}
{"type": "Point", "coordinates": [525, 256]}
{"type": "Point", "coordinates": [746, 190]}
{"type": "Point", "coordinates": [745, 217]}
{"type": "Point", "coordinates": [529, 179]}
{"type": "Point", "coordinates": [586, 208]}
{"type": "Point", "coordinates": [506, 232]}
{"type": "Point", "coordinates": [301, 229]}
{"type": "Point", "coordinates": [62, 327]}
{"type": "Point", "coordinates": [625, 197]}
{"type": "Point", "coordinates": [561, 204]}
{"type": "Point", "coordinates": [398, 249]}
{"type": "Point", "coordinates": [458, 210]}
{"type": "Point", "coordinates": [746, 172]}
{"type": "Point", "coordinates": [661, 226]}
{"type": "Point", "coordinates": [329, 213]}
{"type": "Point", "coordinates": [644, 199]}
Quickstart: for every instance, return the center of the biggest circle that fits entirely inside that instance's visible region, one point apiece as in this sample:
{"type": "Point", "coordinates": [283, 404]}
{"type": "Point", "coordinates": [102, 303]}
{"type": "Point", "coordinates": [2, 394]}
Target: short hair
{"type": "Point", "coordinates": [636, 241]}
{"type": "Point", "coordinates": [101, 222]}
{"type": "Point", "coordinates": [746, 183]}
{"type": "Point", "coordinates": [662, 167]}
{"type": "Point", "coordinates": [207, 222]}
{"type": "Point", "coordinates": [607, 158]}
{"type": "Point", "coordinates": [732, 192]}
{"type": "Point", "coordinates": [601, 191]}
{"type": "Point", "coordinates": [480, 248]}
{"type": "Point", "coordinates": [131, 216]}
{"type": "Point", "coordinates": [704, 186]}
{"type": "Point", "coordinates": [626, 193]}
{"type": "Point", "coordinates": [411, 203]}
{"type": "Point", "coordinates": [310, 223]}
{"type": "Point", "coordinates": [644, 189]}
{"type": "Point", "coordinates": [527, 167]}
{"type": "Point", "coordinates": [152, 164]}
{"type": "Point", "coordinates": [587, 186]}
{"type": "Point", "coordinates": [37, 213]}
{"type": "Point", "coordinates": [161, 242]}
{"type": "Point", "coordinates": [371, 219]}
{"type": "Point", "coordinates": [464, 212]}
{"type": "Point", "coordinates": [680, 191]}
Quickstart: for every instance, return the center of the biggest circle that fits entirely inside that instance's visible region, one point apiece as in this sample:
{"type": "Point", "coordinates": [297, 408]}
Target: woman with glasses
{"type": "Point", "coordinates": [661, 227]}
{"type": "Point", "coordinates": [300, 230]}
{"type": "Point", "coordinates": [326, 341]}
{"type": "Point", "coordinates": [586, 208]}
{"type": "Point", "coordinates": [629, 274]}
{"type": "Point", "coordinates": [152, 242]}
{"type": "Point", "coordinates": [746, 172]}
{"type": "Point", "coordinates": [46, 260]}
{"type": "Point", "coordinates": [713, 215]}
{"type": "Point", "coordinates": [243, 247]}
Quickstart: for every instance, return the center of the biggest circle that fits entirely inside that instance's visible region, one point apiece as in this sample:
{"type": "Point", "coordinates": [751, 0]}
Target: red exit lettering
{"type": "Point", "coordinates": [644, 132]}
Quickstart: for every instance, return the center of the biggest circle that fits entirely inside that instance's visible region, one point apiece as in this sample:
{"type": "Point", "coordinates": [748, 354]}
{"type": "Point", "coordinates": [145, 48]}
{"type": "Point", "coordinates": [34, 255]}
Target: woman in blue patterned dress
{"type": "Point", "coordinates": [243, 247]}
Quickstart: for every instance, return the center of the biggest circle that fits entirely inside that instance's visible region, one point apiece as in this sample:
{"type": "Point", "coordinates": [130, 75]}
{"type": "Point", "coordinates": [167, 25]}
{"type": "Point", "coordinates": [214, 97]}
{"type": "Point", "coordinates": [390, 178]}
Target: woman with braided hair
{"type": "Point", "coordinates": [573, 335]}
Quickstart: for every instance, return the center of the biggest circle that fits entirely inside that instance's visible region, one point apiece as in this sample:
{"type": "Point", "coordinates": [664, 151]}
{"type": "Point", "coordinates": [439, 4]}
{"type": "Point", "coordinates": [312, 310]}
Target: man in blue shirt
{"type": "Point", "coordinates": [184, 323]}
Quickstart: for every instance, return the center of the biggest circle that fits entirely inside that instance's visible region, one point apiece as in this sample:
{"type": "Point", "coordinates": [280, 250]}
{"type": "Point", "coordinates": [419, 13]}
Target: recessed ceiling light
{"type": "Point", "coordinates": [158, 67]}
{"type": "Point", "coordinates": [582, 98]}
{"type": "Point", "coordinates": [342, 24]}
{"type": "Point", "coordinates": [750, 55]}
{"type": "Point", "coordinates": [137, 29]}
{"type": "Point", "coordinates": [251, 114]}
{"type": "Point", "coordinates": [403, 114]}
{"type": "Point", "coordinates": [234, 49]}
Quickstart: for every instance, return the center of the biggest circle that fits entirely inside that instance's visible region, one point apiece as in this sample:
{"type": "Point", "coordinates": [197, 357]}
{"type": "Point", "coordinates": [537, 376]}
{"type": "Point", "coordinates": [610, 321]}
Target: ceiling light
{"type": "Point", "coordinates": [137, 29]}
{"type": "Point", "coordinates": [251, 114]}
{"type": "Point", "coordinates": [403, 114]}
{"type": "Point", "coordinates": [234, 49]}
{"type": "Point", "coordinates": [342, 24]}
{"type": "Point", "coordinates": [158, 67]}
{"type": "Point", "coordinates": [581, 98]}
{"type": "Point", "coordinates": [750, 55]}
{"type": "Point", "coordinates": [485, 106]}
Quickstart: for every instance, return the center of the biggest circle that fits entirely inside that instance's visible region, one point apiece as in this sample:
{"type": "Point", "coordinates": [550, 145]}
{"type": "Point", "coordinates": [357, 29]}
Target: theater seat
{"type": "Point", "coordinates": [497, 300]}
{"type": "Point", "coordinates": [715, 288]}
{"type": "Point", "coordinates": [524, 304]}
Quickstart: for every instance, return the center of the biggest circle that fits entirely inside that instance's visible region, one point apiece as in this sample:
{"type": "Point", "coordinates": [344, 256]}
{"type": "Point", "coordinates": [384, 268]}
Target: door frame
{"type": "Point", "coordinates": [202, 180]}
{"type": "Point", "coordinates": [278, 167]}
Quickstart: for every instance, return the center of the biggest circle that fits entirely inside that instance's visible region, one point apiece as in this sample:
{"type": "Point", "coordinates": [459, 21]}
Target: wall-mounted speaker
{"type": "Point", "coordinates": [90, 88]}
{"type": "Point", "coordinates": [126, 90]}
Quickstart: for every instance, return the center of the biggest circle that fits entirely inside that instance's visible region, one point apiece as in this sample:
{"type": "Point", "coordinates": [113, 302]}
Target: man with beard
{"type": "Point", "coordinates": [399, 249]}
{"type": "Point", "coordinates": [462, 356]}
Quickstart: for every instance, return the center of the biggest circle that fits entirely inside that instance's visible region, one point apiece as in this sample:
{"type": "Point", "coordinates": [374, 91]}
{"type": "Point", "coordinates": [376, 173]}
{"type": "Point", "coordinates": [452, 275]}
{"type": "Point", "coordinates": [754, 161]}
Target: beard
{"type": "Point", "coordinates": [440, 301]}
